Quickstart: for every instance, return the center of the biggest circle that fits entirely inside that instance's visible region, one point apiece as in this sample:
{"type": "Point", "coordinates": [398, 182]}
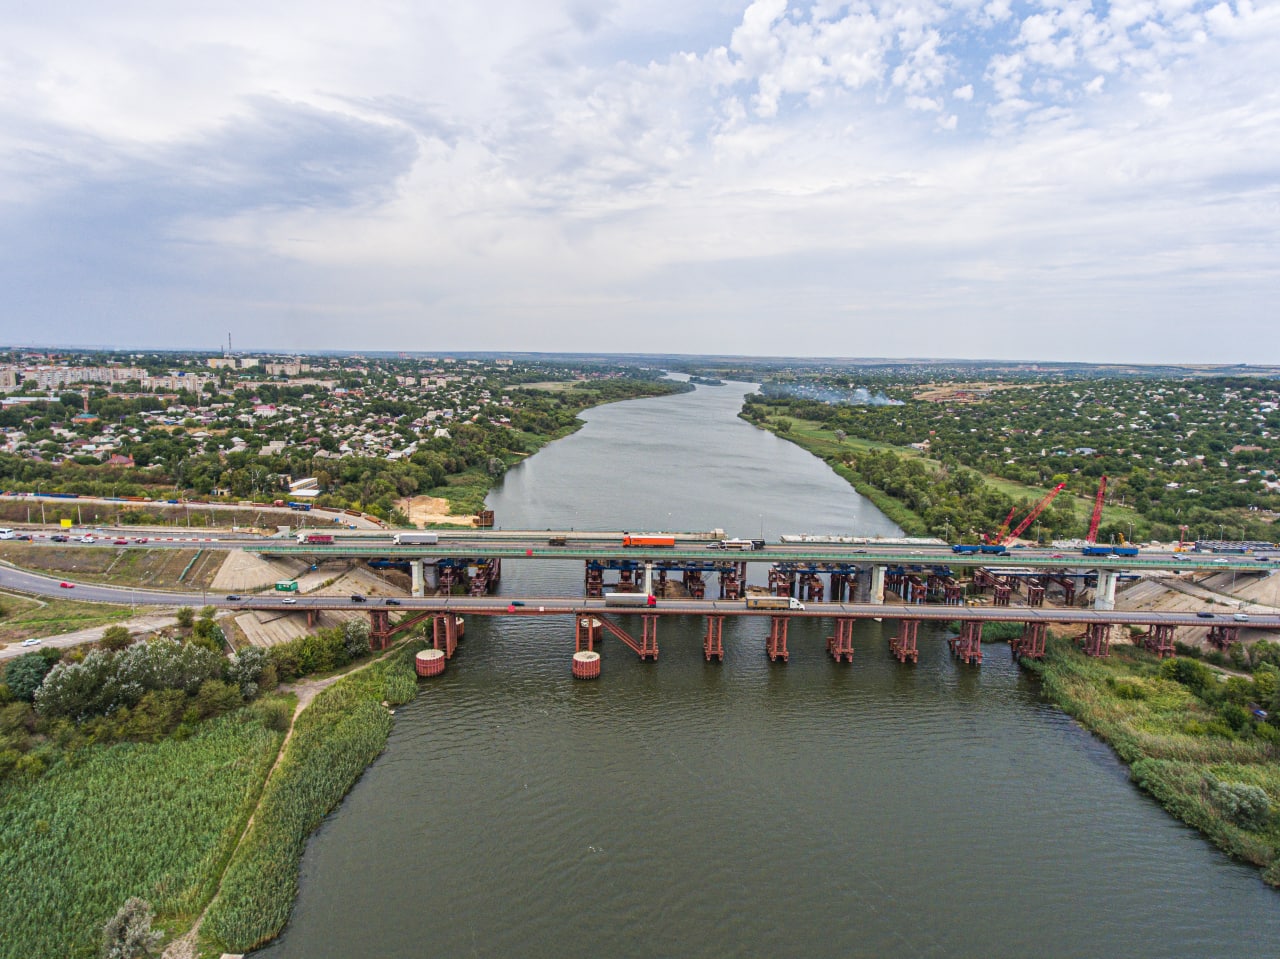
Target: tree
{"type": "Point", "coordinates": [186, 616]}
{"type": "Point", "coordinates": [116, 638]}
{"type": "Point", "coordinates": [127, 934]}
{"type": "Point", "coordinates": [355, 637]}
{"type": "Point", "coordinates": [246, 668]}
{"type": "Point", "coordinates": [24, 675]}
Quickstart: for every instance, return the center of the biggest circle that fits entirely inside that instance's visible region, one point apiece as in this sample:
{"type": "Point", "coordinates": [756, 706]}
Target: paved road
{"type": "Point", "coordinates": [691, 548]}
{"type": "Point", "coordinates": [563, 606]}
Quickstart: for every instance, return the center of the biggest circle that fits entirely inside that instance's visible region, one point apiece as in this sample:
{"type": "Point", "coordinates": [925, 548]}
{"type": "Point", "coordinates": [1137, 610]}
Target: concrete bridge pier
{"type": "Point", "coordinates": [875, 590]}
{"type": "Point", "coordinates": [1104, 595]}
{"type": "Point", "coordinates": [415, 570]}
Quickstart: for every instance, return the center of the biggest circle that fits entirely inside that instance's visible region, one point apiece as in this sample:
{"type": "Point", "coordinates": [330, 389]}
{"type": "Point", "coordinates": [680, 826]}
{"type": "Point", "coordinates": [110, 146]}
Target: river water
{"type": "Point", "coordinates": [686, 809]}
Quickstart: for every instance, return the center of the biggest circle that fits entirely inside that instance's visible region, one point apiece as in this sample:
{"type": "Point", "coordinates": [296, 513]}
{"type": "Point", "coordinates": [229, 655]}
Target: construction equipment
{"type": "Point", "coordinates": [1030, 518]}
{"type": "Point", "coordinates": [1092, 536]}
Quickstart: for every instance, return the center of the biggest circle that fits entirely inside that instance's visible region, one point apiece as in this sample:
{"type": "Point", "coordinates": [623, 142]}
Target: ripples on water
{"type": "Point", "coordinates": [744, 808]}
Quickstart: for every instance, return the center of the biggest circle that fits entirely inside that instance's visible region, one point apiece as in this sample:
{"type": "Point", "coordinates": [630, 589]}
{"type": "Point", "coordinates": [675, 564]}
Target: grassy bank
{"type": "Point", "coordinates": [333, 741]}
{"type": "Point", "coordinates": [1187, 737]}
{"type": "Point", "coordinates": [22, 617]}
{"type": "Point", "coordinates": [155, 820]}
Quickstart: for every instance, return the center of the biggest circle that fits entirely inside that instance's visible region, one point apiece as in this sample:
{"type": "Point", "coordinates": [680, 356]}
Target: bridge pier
{"type": "Point", "coordinates": [444, 633]}
{"type": "Point", "coordinates": [418, 589]}
{"type": "Point", "coordinates": [1030, 645]}
{"type": "Point", "coordinates": [1220, 637]}
{"type": "Point", "coordinates": [713, 642]}
{"type": "Point", "coordinates": [776, 646]}
{"type": "Point", "coordinates": [586, 633]}
{"type": "Point", "coordinates": [875, 590]}
{"type": "Point", "coordinates": [1104, 594]}
{"type": "Point", "coordinates": [903, 646]}
{"type": "Point", "coordinates": [1097, 639]}
{"type": "Point", "coordinates": [840, 644]}
{"type": "Point", "coordinates": [968, 645]}
{"type": "Point", "coordinates": [1159, 640]}
{"type": "Point", "coordinates": [379, 628]}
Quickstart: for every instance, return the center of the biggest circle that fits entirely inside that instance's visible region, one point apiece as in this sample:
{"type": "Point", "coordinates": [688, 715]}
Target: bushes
{"type": "Point", "coordinates": [342, 731]}
{"type": "Point", "coordinates": [1243, 804]}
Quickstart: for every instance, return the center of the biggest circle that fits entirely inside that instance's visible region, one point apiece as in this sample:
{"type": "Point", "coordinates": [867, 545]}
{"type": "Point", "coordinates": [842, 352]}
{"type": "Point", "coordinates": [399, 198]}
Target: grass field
{"type": "Point", "coordinates": [25, 617]}
{"type": "Point", "coordinates": [125, 566]}
{"type": "Point", "coordinates": [133, 819]}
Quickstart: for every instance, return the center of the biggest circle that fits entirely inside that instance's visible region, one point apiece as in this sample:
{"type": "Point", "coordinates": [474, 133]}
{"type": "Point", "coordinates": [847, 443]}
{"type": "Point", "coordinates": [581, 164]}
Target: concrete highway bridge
{"type": "Point", "coordinates": [637, 627]}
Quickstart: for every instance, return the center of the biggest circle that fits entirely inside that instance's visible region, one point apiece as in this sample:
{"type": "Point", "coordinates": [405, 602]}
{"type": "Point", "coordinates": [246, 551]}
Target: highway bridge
{"type": "Point", "coordinates": [593, 618]}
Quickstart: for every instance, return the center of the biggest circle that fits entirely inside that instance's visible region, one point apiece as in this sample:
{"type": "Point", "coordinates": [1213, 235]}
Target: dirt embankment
{"type": "Point", "coordinates": [424, 510]}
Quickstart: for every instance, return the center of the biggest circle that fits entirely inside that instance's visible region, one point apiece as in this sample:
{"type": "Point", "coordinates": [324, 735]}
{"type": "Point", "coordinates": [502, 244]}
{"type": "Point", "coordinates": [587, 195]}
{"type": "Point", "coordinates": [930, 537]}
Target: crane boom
{"type": "Point", "coordinates": [1036, 511]}
{"type": "Point", "coordinates": [1097, 512]}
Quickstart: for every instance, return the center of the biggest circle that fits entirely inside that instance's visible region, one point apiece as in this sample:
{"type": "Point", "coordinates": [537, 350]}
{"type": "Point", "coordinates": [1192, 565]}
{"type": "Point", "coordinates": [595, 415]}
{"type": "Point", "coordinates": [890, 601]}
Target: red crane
{"type": "Point", "coordinates": [1036, 511]}
{"type": "Point", "coordinates": [1097, 512]}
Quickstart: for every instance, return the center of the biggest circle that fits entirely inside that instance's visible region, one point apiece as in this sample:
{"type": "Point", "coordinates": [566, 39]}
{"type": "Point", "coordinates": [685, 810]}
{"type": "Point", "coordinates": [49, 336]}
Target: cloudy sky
{"type": "Point", "coordinates": [985, 178]}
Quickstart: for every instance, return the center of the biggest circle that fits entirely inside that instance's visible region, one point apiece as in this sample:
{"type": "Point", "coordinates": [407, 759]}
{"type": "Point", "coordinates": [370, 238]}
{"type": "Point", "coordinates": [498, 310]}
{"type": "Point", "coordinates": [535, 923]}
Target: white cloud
{"type": "Point", "coordinates": [528, 170]}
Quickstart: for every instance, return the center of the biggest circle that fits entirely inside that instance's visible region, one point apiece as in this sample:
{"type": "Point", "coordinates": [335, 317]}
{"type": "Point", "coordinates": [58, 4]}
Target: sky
{"type": "Point", "coordinates": [975, 178]}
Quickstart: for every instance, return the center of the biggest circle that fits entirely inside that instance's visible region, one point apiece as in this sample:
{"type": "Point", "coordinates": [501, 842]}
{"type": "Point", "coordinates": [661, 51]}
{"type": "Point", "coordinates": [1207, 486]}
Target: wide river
{"type": "Point", "coordinates": [685, 809]}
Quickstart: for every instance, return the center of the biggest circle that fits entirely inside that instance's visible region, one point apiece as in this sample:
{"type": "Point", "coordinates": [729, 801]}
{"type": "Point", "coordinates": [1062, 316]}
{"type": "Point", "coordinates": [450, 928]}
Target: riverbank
{"type": "Point", "coordinates": [331, 744]}
{"type": "Point", "coordinates": [1188, 737]}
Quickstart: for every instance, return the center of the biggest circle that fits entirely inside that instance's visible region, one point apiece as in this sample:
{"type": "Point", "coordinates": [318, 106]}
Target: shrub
{"type": "Point", "coordinates": [186, 616]}
{"type": "Point", "coordinates": [128, 934]}
{"type": "Point", "coordinates": [1244, 804]}
{"type": "Point", "coordinates": [116, 638]}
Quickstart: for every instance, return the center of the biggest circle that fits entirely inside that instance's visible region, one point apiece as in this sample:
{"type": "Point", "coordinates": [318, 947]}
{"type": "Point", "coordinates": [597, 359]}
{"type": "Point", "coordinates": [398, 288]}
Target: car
{"type": "Point", "coordinates": [1241, 617]}
{"type": "Point", "coordinates": [233, 597]}
{"type": "Point", "coordinates": [119, 542]}
{"type": "Point", "coordinates": [140, 539]}
{"type": "Point", "coordinates": [391, 602]}
{"type": "Point", "coordinates": [289, 600]}
{"type": "Point", "coordinates": [1057, 556]}
{"type": "Point", "coordinates": [31, 642]}
{"type": "Point", "coordinates": [357, 598]}
{"type": "Point", "coordinates": [1219, 562]}
{"type": "Point", "coordinates": [65, 585]}
{"type": "Point", "coordinates": [25, 537]}
{"type": "Point", "coordinates": [517, 602]}
{"type": "Point", "coordinates": [87, 538]}
{"type": "Point", "coordinates": [1205, 614]}
{"type": "Point", "coordinates": [59, 538]}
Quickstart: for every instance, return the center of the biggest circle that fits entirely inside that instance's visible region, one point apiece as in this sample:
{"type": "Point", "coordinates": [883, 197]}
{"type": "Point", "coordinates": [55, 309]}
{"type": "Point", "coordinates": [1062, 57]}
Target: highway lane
{"type": "Point", "coordinates": [565, 606]}
{"type": "Point", "coordinates": [691, 548]}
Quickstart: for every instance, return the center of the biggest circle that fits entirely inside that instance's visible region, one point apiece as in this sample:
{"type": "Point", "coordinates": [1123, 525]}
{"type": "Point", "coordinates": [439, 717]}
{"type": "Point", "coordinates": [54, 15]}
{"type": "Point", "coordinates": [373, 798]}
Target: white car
{"type": "Point", "coordinates": [31, 642]}
{"type": "Point", "coordinates": [289, 601]}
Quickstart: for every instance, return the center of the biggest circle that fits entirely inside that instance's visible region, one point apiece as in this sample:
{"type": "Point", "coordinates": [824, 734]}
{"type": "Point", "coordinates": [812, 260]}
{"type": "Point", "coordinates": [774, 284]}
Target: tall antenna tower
{"type": "Point", "coordinates": [228, 343]}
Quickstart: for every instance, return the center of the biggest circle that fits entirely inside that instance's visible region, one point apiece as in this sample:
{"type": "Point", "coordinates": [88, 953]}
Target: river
{"type": "Point", "coordinates": [686, 809]}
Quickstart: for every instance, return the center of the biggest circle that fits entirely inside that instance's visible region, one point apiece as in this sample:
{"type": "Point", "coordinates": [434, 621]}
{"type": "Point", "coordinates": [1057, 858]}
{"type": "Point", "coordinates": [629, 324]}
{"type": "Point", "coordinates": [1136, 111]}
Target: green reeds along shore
{"type": "Point", "coordinates": [1191, 736]}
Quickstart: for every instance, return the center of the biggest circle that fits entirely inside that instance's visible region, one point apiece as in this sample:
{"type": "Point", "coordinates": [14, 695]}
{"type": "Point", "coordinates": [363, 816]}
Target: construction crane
{"type": "Point", "coordinates": [1097, 512]}
{"type": "Point", "coordinates": [1030, 518]}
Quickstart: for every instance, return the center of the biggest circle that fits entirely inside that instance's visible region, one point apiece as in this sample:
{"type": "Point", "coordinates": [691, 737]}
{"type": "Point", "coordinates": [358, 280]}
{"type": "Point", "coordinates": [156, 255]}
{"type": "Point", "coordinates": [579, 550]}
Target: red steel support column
{"type": "Point", "coordinates": [313, 616]}
{"type": "Point", "coordinates": [444, 633]}
{"type": "Point", "coordinates": [777, 644]}
{"type": "Point", "coordinates": [713, 642]}
{"type": "Point", "coordinates": [1159, 640]}
{"type": "Point", "coordinates": [1030, 645]}
{"type": "Point", "coordinates": [968, 645]}
{"type": "Point", "coordinates": [649, 638]}
{"type": "Point", "coordinates": [840, 645]}
{"type": "Point", "coordinates": [379, 628]}
{"type": "Point", "coordinates": [903, 646]}
{"type": "Point", "coordinates": [1097, 639]}
{"type": "Point", "coordinates": [1220, 637]}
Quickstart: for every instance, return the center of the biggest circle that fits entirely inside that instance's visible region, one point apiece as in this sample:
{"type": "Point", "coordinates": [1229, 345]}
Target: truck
{"type": "Point", "coordinates": [737, 544]}
{"type": "Point", "coordinates": [774, 602]}
{"type": "Point", "coordinates": [966, 549]}
{"type": "Point", "coordinates": [416, 539]}
{"type": "Point", "coordinates": [315, 539]}
{"type": "Point", "coordinates": [644, 539]}
{"type": "Point", "coordinates": [287, 586]}
{"type": "Point", "coordinates": [301, 507]}
{"type": "Point", "coordinates": [1094, 550]}
{"type": "Point", "coordinates": [630, 599]}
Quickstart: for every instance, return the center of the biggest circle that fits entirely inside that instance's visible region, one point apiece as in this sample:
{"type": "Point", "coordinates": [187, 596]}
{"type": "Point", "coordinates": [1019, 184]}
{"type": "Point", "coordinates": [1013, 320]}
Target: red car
{"type": "Point", "coordinates": [120, 542]}
{"type": "Point", "coordinates": [140, 539]}
{"type": "Point", "coordinates": [66, 585]}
